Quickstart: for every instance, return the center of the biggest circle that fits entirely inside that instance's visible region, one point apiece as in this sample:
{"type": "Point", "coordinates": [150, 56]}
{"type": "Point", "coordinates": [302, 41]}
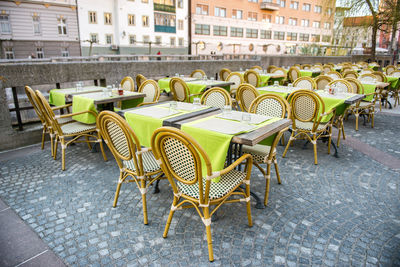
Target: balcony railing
{"type": "Point", "coordinates": [269, 6]}
{"type": "Point", "coordinates": [162, 28]}
{"type": "Point", "coordinates": [165, 8]}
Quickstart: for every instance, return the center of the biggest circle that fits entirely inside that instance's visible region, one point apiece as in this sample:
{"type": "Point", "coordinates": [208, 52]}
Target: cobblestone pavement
{"type": "Point", "coordinates": [344, 211]}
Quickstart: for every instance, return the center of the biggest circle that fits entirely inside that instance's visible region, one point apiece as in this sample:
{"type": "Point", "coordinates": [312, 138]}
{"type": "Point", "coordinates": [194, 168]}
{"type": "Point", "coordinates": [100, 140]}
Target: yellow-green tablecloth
{"type": "Point", "coordinates": [368, 89]}
{"type": "Point", "coordinates": [332, 103]}
{"type": "Point", "coordinates": [266, 91]}
{"type": "Point", "coordinates": [306, 73]}
{"type": "Point", "coordinates": [57, 96]}
{"type": "Point", "coordinates": [215, 144]}
{"type": "Point", "coordinates": [394, 81]}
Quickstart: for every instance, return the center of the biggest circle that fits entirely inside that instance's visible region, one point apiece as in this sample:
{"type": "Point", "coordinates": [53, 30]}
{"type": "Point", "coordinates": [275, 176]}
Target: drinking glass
{"type": "Point", "coordinates": [327, 89]}
{"type": "Point", "coordinates": [196, 102]}
{"type": "Point", "coordinates": [205, 77]}
{"type": "Point", "coordinates": [290, 85]}
{"type": "Point", "coordinates": [276, 83]}
{"type": "Point", "coordinates": [227, 110]}
{"type": "Point", "coordinates": [109, 90]}
{"type": "Point", "coordinates": [172, 106]}
{"type": "Point", "coordinates": [176, 74]}
{"type": "Point", "coordinates": [246, 118]}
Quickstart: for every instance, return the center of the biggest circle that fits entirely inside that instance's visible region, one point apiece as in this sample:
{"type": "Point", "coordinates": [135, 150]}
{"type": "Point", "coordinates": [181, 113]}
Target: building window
{"type": "Point", "coordinates": [39, 52]}
{"type": "Point", "coordinates": [202, 29]}
{"type": "Point", "coordinates": [9, 52]}
{"type": "Point", "coordinates": [315, 37]}
{"type": "Point", "coordinates": [280, 20]}
{"type": "Point", "coordinates": [36, 24]}
{"type": "Point", "coordinates": [180, 3]}
{"type": "Point", "coordinates": [94, 38]}
{"type": "Point", "coordinates": [291, 36]}
{"type": "Point", "coordinates": [62, 26]}
{"type": "Point", "coordinates": [109, 39]}
{"type": "Point", "coordinates": [316, 24]}
{"type": "Point", "coordinates": [92, 17]}
{"type": "Point", "coordinates": [220, 30]}
{"type": "Point", "coordinates": [293, 21]}
{"type": "Point", "coordinates": [131, 20]}
{"type": "Point", "coordinates": [307, 7]}
{"type": "Point", "coordinates": [326, 38]}
{"type": "Point", "coordinates": [237, 14]}
{"type": "Point", "coordinates": [329, 11]}
{"type": "Point", "coordinates": [279, 35]}
{"type": "Point", "coordinates": [5, 25]}
{"type": "Point", "coordinates": [294, 5]}
{"type": "Point", "coordinates": [158, 40]}
{"type": "Point", "coordinates": [107, 19]}
{"type": "Point", "coordinates": [305, 23]}
{"type": "Point", "coordinates": [304, 37]}
{"type": "Point", "coordinates": [65, 52]}
{"type": "Point", "coordinates": [327, 25]}
{"type": "Point", "coordinates": [146, 39]}
{"type": "Point", "coordinates": [145, 21]}
{"type": "Point", "coordinates": [180, 24]}
{"type": "Point", "coordinates": [265, 34]}
{"type": "Point", "coordinates": [180, 41]}
{"type": "Point", "coordinates": [318, 9]}
{"type": "Point", "coordinates": [172, 41]}
{"type": "Point", "coordinates": [236, 32]}
{"type": "Point", "coordinates": [132, 39]}
{"type": "Point", "coordinates": [145, 1]}
{"type": "Point", "coordinates": [282, 3]}
{"type": "Point", "coordinates": [201, 9]}
{"type": "Point", "coordinates": [267, 18]}
{"type": "Point", "coordinates": [254, 1]}
{"type": "Point", "coordinates": [251, 33]}
{"type": "Point", "coordinates": [163, 19]}
{"type": "Point", "coordinates": [220, 12]}
{"type": "Point", "coordinates": [252, 16]}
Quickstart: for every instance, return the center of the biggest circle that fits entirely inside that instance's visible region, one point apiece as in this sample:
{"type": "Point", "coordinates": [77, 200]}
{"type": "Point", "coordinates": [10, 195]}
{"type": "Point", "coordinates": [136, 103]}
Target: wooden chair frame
{"type": "Point", "coordinates": [156, 95]}
{"type": "Point", "coordinates": [350, 74]}
{"type": "Point", "coordinates": [291, 72]}
{"type": "Point", "coordinates": [223, 92]}
{"type": "Point", "coordinates": [242, 97]}
{"type": "Point", "coordinates": [390, 69]}
{"type": "Point", "coordinates": [309, 79]}
{"type": "Point", "coordinates": [130, 81]}
{"type": "Point", "coordinates": [139, 80]}
{"type": "Point", "coordinates": [320, 78]}
{"type": "Point", "coordinates": [183, 96]}
{"type": "Point", "coordinates": [224, 73]}
{"type": "Point", "coordinates": [339, 76]}
{"type": "Point", "coordinates": [305, 66]}
{"type": "Point", "coordinates": [198, 71]}
{"type": "Point", "coordinates": [256, 74]}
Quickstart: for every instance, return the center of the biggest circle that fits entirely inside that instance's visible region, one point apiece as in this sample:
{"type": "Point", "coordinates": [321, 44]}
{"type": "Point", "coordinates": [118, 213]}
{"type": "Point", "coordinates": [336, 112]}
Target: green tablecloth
{"type": "Point", "coordinates": [332, 103]}
{"type": "Point", "coordinates": [306, 73]}
{"type": "Point", "coordinates": [373, 67]}
{"type": "Point", "coordinates": [284, 95]}
{"type": "Point", "coordinates": [394, 81]}
{"type": "Point", "coordinates": [368, 89]}
{"type": "Point", "coordinates": [215, 144]}
{"type": "Point", "coordinates": [81, 103]}
{"type": "Point", "coordinates": [57, 97]}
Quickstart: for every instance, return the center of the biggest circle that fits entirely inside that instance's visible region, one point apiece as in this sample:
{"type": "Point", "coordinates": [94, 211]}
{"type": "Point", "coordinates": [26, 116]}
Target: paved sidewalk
{"type": "Point", "coordinates": [344, 211]}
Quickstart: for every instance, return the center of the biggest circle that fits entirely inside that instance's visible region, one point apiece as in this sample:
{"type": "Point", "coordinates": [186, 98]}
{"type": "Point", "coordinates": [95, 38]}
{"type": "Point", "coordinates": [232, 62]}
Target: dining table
{"type": "Point", "coordinates": [266, 77]}
{"type": "Point", "coordinates": [59, 97]}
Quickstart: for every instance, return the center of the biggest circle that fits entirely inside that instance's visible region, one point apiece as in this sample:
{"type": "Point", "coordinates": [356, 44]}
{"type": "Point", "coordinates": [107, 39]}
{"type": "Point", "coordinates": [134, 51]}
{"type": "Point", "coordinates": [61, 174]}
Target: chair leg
{"type": "Point", "coordinates": [329, 140]}
{"type": "Point", "coordinates": [372, 118]}
{"type": "Point", "coordinates": [267, 183]}
{"type": "Point", "coordinates": [248, 206]}
{"type": "Point", "coordinates": [88, 142]}
{"type": "Point", "coordinates": [118, 189]}
{"type": "Point", "coordinates": [63, 147]}
{"type": "Point", "coordinates": [357, 116]}
{"type": "Point", "coordinates": [143, 192]}
{"type": "Point", "coordinates": [43, 137]}
{"type": "Point", "coordinates": [339, 134]}
{"type": "Point", "coordinates": [288, 144]}
{"type": "Point", "coordinates": [52, 144]}
{"type": "Point", "coordinates": [55, 147]}
{"type": "Point", "coordinates": [101, 147]}
{"type": "Point", "coordinates": [260, 168]}
{"type": "Point", "coordinates": [278, 176]}
{"type": "Point", "coordinates": [171, 214]}
{"type": "Point", "coordinates": [207, 222]}
{"type": "Point", "coordinates": [314, 141]}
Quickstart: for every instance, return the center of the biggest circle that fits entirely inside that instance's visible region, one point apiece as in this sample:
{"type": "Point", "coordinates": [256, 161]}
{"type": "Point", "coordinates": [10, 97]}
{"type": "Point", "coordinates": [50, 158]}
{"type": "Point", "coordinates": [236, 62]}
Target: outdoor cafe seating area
{"type": "Point", "coordinates": [213, 131]}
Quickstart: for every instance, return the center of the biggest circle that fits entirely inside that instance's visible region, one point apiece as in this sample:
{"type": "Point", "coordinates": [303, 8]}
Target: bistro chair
{"type": "Point", "coordinates": [271, 68]}
{"type": "Point", "coordinates": [128, 84]}
{"type": "Point", "coordinates": [136, 163]}
{"type": "Point", "coordinates": [252, 77]}
{"type": "Point", "coordinates": [327, 68]}
{"type": "Point", "coordinates": [322, 81]}
{"type": "Point", "coordinates": [294, 73]}
{"type": "Point", "coordinates": [395, 73]}
{"type": "Point", "coordinates": [307, 111]}
{"type": "Point", "coordinates": [180, 91]}
{"type": "Point", "coordinates": [258, 69]}
{"type": "Point", "coordinates": [346, 68]}
{"type": "Point", "coordinates": [47, 127]}
{"type": "Point", "coordinates": [344, 86]}
{"type": "Point", "coordinates": [334, 75]}
{"type": "Point", "coordinates": [305, 83]}
{"type": "Point", "coordinates": [366, 71]}
{"type": "Point", "coordinates": [139, 80]}
{"type": "Point", "coordinates": [246, 93]}
{"type": "Point", "coordinates": [72, 131]}
{"type": "Point", "coordinates": [181, 157]}
{"type": "Point", "coordinates": [367, 77]}
{"type": "Point", "coordinates": [357, 89]}
{"type": "Point", "coordinates": [306, 67]}
{"type": "Point", "coordinates": [298, 66]}
{"type": "Point", "coordinates": [216, 97]}
{"type": "Point", "coordinates": [280, 71]}
{"type": "Point", "coordinates": [198, 74]}
{"type": "Point", "coordinates": [237, 79]}
{"type": "Point", "coordinates": [223, 74]}
{"type": "Point", "coordinates": [152, 91]}
{"type": "Point", "coordinates": [363, 107]}
{"type": "Point", "coordinates": [274, 106]}
{"type": "Point", "coordinates": [356, 85]}
{"type": "Point", "coordinates": [318, 64]}
{"type": "Point", "coordinates": [350, 74]}
{"type": "Point", "coordinates": [390, 69]}
{"type": "Point", "coordinates": [380, 76]}
{"type": "Point", "coordinates": [318, 67]}
{"type": "Point", "coordinates": [383, 93]}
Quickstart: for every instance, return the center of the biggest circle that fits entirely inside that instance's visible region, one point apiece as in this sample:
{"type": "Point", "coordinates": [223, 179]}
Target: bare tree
{"type": "Point", "coordinates": [390, 17]}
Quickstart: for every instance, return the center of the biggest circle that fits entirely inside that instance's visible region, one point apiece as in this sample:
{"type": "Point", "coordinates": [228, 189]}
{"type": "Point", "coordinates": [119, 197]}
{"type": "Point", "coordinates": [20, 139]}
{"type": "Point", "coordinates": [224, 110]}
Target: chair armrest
{"type": "Point", "coordinates": [146, 103]}
{"type": "Point", "coordinates": [194, 95]}
{"type": "Point", "coordinates": [239, 161]}
{"type": "Point", "coordinates": [60, 107]}
{"type": "Point", "coordinates": [327, 113]}
{"type": "Point", "coordinates": [76, 113]}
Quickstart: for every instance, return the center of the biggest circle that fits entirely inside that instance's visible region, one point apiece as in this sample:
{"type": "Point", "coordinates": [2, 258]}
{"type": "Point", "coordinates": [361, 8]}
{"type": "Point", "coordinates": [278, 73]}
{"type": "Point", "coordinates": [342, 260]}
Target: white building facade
{"type": "Point", "coordinates": [133, 26]}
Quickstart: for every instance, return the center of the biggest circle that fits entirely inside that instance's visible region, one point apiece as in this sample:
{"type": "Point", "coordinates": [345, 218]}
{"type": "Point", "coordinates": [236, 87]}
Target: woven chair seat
{"type": "Point", "coordinates": [258, 152]}
{"type": "Point", "coordinates": [227, 182]}
{"type": "Point", "coordinates": [64, 120]}
{"type": "Point", "coordinates": [309, 125]}
{"type": "Point", "coordinates": [77, 127]}
{"type": "Point", "coordinates": [149, 163]}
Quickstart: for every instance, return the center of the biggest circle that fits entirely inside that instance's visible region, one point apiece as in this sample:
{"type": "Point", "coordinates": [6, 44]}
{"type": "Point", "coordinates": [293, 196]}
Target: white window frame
{"type": "Point", "coordinates": [62, 26]}
{"type": "Point", "coordinates": [5, 25]}
{"type": "Point", "coordinates": [37, 29]}
{"type": "Point", "coordinates": [39, 53]}
{"type": "Point", "coordinates": [9, 53]}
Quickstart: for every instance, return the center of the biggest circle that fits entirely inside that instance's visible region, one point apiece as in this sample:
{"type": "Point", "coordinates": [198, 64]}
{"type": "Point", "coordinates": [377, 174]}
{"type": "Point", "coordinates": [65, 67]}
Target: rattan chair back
{"type": "Point", "coordinates": [280, 71]}
{"type": "Point", "coordinates": [343, 85]}
{"type": "Point", "coordinates": [151, 89]}
{"type": "Point", "coordinates": [318, 67]}
{"type": "Point", "coordinates": [271, 68]}
{"type": "Point", "coordinates": [367, 77]}
{"type": "Point", "coordinates": [305, 106]}
{"type": "Point", "coordinates": [380, 76]}
{"type": "Point", "coordinates": [390, 69]}
{"type": "Point", "coordinates": [223, 74]}
{"type": "Point", "coordinates": [305, 83]}
{"type": "Point", "coordinates": [198, 74]}
{"type": "Point", "coordinates": [216, 97]}
{"type": "Point", "coordinates": [305, 66]}
{"type": "Point", "coordinates": [350, 74]}
{"type": "Point", "coordinates": [346, 68]}
{"type": "Point", "coordinates": [128, 84]}
{"type": "Point", "coordinates": [318, 64]}
{"type": "Point", "coordinates": [322, 81]}
{"type": "Point", "coordinates": [334, 75]}
{"type": "Point", "coordinates": [48, 113]}
{"type": "Point", "coordinates": [366, 71]}
{"type": "Point", "coordinates": [252, 77]}
{"type": "Point", "coordinates": [327, 68]}
{"type": "Point", "coordinates": [33, 99]}
{"type": "Point", "coordinates": [270, 105]}
{"type": "Point", "coordinates": [257, 68]}
{"type": "Point", "coordinates": [140, 79]}
{"type": "Point", "coordinates": [236, 78]}
{"type": "Point", "coordinates": [395, 73]}
{"type": "Point", "coordinates": [297, 66]}
{"type": "Point", "coordinates": [245, 94]}
{"type": "Point", "coordinates": [294, 73]}
{"type": "Point", "coordinates": [357, 86]}
{"type": "Point", "coordinates": [179, 90]}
